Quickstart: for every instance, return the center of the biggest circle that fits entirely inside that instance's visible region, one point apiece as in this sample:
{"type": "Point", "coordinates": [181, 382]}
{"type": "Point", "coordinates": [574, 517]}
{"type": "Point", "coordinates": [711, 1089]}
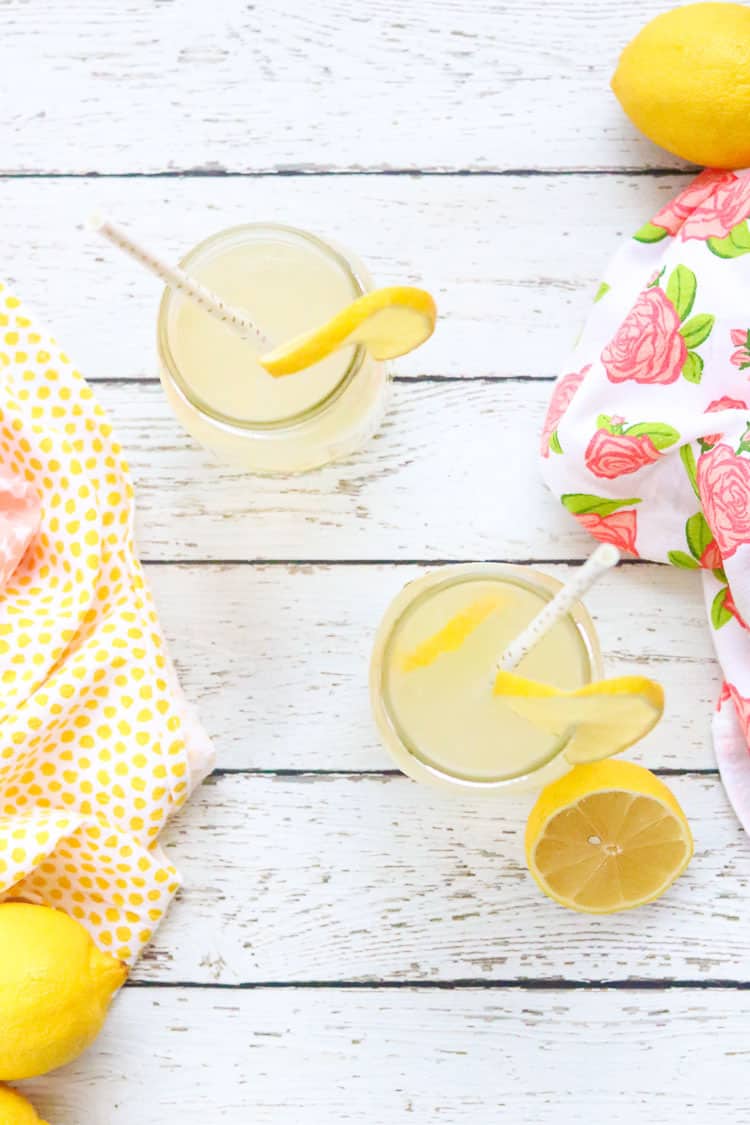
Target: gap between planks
{"type": "Point", "coordinates": [312, 170]}
{"type": "Point", "coordinates": [464, 984]}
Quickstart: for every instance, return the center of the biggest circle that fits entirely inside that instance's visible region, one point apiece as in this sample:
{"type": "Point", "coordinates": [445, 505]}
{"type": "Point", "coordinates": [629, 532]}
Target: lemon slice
{"type": "Point", "coordinates": [601, 719]}
{"type": "Point", "coordinates": [606, 837]}
{"type": "Point", "coordinates": [451, 636]}
{"type": "Point", "coordinates": [389, 322]}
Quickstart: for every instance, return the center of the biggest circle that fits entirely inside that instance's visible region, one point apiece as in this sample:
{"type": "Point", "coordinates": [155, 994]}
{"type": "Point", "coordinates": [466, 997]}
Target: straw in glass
{"type": "Point", "coordinates": [603, 559]}
{"type": "Point", "coordinates": [235, 319]}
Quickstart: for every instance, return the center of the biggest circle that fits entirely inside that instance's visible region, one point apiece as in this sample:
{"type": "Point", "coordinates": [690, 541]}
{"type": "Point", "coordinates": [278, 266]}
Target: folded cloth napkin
{"type": "Point", "coordinates": [98, 747]}
{"type": "Point", "coordinates": [647, 436]}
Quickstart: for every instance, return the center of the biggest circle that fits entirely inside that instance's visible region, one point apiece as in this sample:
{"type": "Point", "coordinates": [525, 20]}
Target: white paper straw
{"type": "Point", "coordinates": [603, 558]}
{"type": "Point", "coordinates": [176, 278]}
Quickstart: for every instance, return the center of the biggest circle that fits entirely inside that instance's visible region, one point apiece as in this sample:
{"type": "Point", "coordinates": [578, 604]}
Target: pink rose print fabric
{"type": "Point", "coordinates": [648, 347]}
{"type": "Point", "coordinates": [647, 437]}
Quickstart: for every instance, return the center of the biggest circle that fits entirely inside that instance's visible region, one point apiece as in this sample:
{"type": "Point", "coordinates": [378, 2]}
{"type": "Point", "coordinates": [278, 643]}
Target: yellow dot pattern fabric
{"type": "Point", "coordinates": [97, 745]}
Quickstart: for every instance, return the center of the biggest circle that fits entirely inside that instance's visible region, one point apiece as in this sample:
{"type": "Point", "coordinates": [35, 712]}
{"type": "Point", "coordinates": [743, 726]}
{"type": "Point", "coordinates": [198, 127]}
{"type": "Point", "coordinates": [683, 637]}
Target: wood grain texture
{"type": "Point", "coordinates": [276, 657]}
{"type": "Point", "coordinates": [163, 87]}
{"type": "Point", "coordinates": [360, 878]}
{"type": "Point", "coordinates": [441, 480]}
{"type": "Point", "coordinates": [514, 279]}
{"type": "Point", "coordinates": [427, 1058]}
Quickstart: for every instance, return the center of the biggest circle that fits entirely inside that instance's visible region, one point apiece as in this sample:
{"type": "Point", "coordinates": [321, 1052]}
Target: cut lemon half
{"type": "Point", "coordinates": [606, 837]}
{"type": "Point", "coordinates": [600, 719]}
{"type": "Point", "coordinates": [451, 636]}
{"type": "Point", "coordinates": [389, 322]}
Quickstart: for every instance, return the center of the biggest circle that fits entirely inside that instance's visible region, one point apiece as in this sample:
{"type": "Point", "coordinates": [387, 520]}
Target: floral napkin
{"type": "Point", "coordinates": [97, 744]}
{"type": "Point", "coordinates": [647, 437]}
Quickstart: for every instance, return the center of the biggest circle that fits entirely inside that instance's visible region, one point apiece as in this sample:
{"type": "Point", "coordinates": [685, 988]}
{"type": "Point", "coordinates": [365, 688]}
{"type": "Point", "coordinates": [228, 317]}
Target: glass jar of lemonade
{"type": "Point", "coordinates": [289, 281]}
{"type": "Point", "coordinates": [433, 669]}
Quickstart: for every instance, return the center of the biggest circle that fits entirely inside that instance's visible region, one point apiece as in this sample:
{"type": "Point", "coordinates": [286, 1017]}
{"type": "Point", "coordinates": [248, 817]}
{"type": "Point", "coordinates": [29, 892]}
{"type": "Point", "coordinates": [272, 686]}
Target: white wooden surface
{"type": "Point", "coordinates": [350, 946]}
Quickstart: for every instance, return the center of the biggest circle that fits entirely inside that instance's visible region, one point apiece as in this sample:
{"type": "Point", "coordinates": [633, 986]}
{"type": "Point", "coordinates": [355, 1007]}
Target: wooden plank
{"type": "Point", "coordinates": [513, 282]}
{"type": "Point", "coordinates": [304, 1058]}
{"type": "Point", "coordinates": [360, 878]}
{"type": "Point", "coordinates": [453, 474]}
{"type": "Point", "coordinates": [143, 87]}
{"type": "Point", "coordinates": [276, 657]}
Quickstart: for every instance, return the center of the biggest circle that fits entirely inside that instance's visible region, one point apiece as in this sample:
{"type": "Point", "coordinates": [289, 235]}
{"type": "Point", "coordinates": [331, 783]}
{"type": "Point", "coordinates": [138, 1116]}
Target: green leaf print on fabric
{"type": "Point", "coordinates": [697, 330]}
{"type": "Point", "coordinates": [720, 615]}
{"type": "Point", "coordinates": [662, 435]}
{"type": "Point", "coordinates": [581, 503]}
{"type": "Point", "coordinates": [698, 535]}
{"type": "Point", "coordinates": [693, 368]}
{"type": "Point", "coordinates": [554, 443]}
{"type": "Point", "coordinates": [688, 460]}
{"type": "Point", "coordinates": [679, 558]}
{"type": "Point", "coordinates": [602, 291]}
{"type": "Point", "coordinates": [681, 289]}
{"type": "Point", "coordinates": [649, 232]}
{"type": "Point", "coordinates": [736, 243]}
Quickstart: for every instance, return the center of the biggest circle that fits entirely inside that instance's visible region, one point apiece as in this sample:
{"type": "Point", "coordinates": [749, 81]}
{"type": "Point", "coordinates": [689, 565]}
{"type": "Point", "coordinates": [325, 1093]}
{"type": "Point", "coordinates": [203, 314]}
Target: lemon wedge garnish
{"type": "Point", "coordinates": [389, 322]}
{"type": "Point", "coordinates": [451, 636]}
{"type": "Point", "coordinates": [606, 837]}
{"type": "Point", "coordinates": [602, 718]}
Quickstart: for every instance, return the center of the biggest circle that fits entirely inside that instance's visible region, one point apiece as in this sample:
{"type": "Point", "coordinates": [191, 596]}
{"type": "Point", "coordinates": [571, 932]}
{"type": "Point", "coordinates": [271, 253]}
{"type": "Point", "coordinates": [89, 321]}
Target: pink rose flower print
{"type": "Point", "coordinates": [742, 707]}
{"type": "Point", "coordinates": [562, 396]}
{"type": "Point", "coordinates": [725, 403]}
{"type": "Point", "coordinates": [741, 341]}
{"type": "Point", "coordinates": [726, 206]}
{"type": "Point", "coordinates": [723, 481]}
{"type": "Point", "coordinates": [730, 607]}
{"type": "Point", "coordinates": [711, 558]}
{"type": "Point", "coordinates": [673, 214]}
{"type": "Point", "coordinates": [619, 528]}
{"type": "Point", "coordinates": [614, 455]}
{"type": "Point", "coordinates": [647, 347]}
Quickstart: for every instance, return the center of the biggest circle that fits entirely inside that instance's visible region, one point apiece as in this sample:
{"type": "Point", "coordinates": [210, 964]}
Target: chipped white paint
{"type": "Point", "coordinates": [276, 657]}
{"type": "Point", "coordinates": [377, 1058]}
{"type": "Point", "coordinates": [368, 878]}
{"type": "Point", "coordinates": [108, 86]}
{"type": "Point", "coordinates": [513, 282]}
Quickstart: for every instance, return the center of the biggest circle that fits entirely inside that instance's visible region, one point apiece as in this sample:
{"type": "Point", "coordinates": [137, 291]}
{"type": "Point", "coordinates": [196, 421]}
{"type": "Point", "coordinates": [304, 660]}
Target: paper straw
{"type": "Point", "coordinates": [603, 559]}
{"type": "Point", "coordinates": [176, 278]}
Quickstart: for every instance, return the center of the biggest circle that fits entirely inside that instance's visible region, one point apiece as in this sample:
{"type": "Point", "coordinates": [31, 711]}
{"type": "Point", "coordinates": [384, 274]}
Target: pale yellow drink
{"type": "Point", "coordinates": [437, 713]}
{"type": "Point", "coordinates": [289, 281]}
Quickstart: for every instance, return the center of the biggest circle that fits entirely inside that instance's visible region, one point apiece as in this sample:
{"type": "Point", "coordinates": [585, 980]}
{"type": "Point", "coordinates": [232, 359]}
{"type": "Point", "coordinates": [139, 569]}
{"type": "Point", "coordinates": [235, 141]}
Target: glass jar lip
{"type": "Point", "coordinates": [182, 387]}
{"type": "Point", "coordinates": [525, 576]}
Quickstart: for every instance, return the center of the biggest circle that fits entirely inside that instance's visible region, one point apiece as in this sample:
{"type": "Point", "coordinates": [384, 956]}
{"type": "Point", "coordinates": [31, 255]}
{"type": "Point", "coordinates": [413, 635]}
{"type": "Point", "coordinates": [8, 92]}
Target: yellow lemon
{"type": "Point", "coordinates": [15, 1110]}
{"type": "Point", "coordinates": [600, 719]}
{"type": "Point", "coordinates": [606, 837]}
{"type": "Point", "coordinates": [451, 636]}
{"type": "Point", "coordinates": [55, 988]}
{"type": "Point", "coordinates": [684, 81]}
{"type": "Point", "coordinates": [389, 322]}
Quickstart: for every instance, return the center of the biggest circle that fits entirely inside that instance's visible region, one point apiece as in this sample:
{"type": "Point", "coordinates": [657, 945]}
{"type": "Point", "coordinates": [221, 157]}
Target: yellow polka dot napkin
{"type": "Point", "coordinates": [98, 746]}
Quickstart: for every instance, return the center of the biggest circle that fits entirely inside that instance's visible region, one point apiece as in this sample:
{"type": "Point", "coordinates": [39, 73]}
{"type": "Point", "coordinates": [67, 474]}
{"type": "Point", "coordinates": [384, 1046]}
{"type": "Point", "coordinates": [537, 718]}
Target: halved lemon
{"type": "Point", "coordinates": [451, 636]}
{"type": "Point", "coordinates": [607, 837]}
{"type": "Point", "coordinates": [601, 719]}
{"type": "Point", "coordinates": [389, 322]}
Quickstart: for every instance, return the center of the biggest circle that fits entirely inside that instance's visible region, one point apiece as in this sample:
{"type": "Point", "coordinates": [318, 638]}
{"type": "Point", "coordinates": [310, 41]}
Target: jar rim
{"type": "Point", "coordinates": [169, 364]}
{"type": "Point", "coordinates": [525, 576]}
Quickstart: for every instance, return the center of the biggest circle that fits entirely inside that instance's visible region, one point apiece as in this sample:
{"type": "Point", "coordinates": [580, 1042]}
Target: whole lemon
{"type": "Point", "coordinates": [15, 1110]}
{"type": "Point", "coordinates": [55, 988]}
{"type": "Point", "coordinates": [685, 82]}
